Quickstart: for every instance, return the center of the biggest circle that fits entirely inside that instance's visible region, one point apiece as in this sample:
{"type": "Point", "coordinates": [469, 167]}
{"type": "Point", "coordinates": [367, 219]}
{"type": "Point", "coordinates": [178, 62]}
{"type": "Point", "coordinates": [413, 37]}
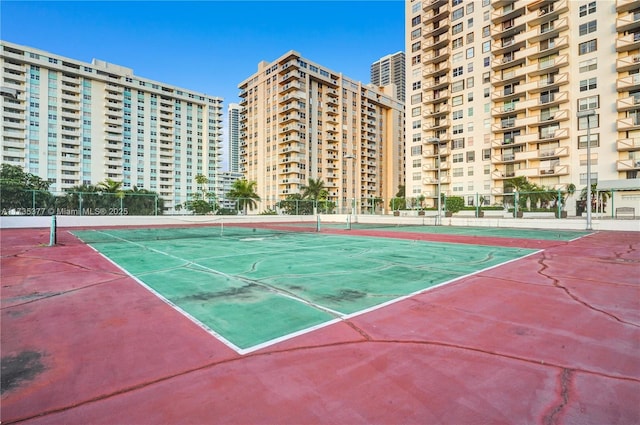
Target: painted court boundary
{"type": "Point", "coordinates": [339, 316]}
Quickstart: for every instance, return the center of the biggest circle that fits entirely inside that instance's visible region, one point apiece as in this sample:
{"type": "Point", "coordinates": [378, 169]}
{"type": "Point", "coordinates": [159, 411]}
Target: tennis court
{"type": "Point", "coordinates": [263, 323]}
{"type": "Point", "coordinates": [252, 286]}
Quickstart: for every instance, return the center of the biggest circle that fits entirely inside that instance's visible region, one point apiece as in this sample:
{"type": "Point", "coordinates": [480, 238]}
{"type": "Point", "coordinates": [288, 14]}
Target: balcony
{"type": "Point", "coordinates": [436, 14]}
{"type": "Point", "coordinates": [628, 42]}
{"type": "Point", "coordinates": [628, 164]}
{"type": "Point", "coordinates": [434, 180]}
{"type": "Point", "coordinates": [626, 5]}
{"type": "Point", "coordinates": [509, 28]}
{"type": "Point", "coordinates": [436, 83]}
{"type": "Point", "coordinates": [557, 170]}
{"type": "Point", "coordinates": [508, 61]}
{"type": "Point", "coordinates": [628, 63]}
{"type": "Point", "coordinates": [505, 13]}
{"type": "Point", "coordinates": [628, 22]}
{"type": "Point", "coordinates": [438, 55]}
{"type": "Point", "coordinates": [546, 47]}
{"type": "Point", "coordinates": [547, 31]}
{"type": "Point", "coordinates": [435, 68]}
{"type": "Point", "coordinates": [546, 10]}
{"type": "Point", "coordinates": [434, 43]}
{"type": "Point", "coordinates": [629, 123]}
{"type": "Point", "coordinates": [431, 153]}
{"type": "Point", "coordinates": [508, 92]}
{"type": "Point", "coordinates": [552, 135]}
{"type": "Point", "coordinates": [551, 99]}
{"type": "Point", "coordinates": [547, 84]}
{"type": "Point", "coordinates": [510, 76]}
{"type": "Point", "coordinates": [628, 83]}
{"type": "Point", "coordinates": [439, 96]}
{"type": "Point", "coordinates": [632, 144]}
{"type": "Point", "coordinates": [548, 66]}
{"type": "Point", "coordinates": [437, 124]}
{"type": "Point", "coordinates": [443, 108]}
{"type": "Point", "coordinates": [430, 4]}
{"type": "Point", "coordinates": [628, 103]}
{"type": "Point", "coordinates": [436, 28]}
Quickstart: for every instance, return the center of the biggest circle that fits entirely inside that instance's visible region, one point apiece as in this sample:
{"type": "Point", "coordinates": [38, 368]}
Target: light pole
{"type": "Point", "coordinates": [588, 114]}
{"type": "Point", "coordinates": [436, 142]}
{"type": "Point", "coordinates": [353, 182]}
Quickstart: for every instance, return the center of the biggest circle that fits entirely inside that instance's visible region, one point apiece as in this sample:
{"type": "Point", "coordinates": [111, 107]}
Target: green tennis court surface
{"type": "Point", "coordinates": [501, 232]}
{"type": "Point", "coordinates": [254, 289]}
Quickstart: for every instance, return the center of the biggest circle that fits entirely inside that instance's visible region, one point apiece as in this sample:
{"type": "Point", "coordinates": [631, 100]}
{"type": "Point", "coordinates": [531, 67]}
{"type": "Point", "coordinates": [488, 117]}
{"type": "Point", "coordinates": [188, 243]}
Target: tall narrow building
{"type": "Point", "coordinates": [74, 123]}
{"type": "Point", "coordinates": [390, 70]}
{"type": "Point", "coordinates": [496, 88]}
{"type": "Point", "coordinates": [300, 121]}
{"type": "Point", "coordinates": [234, 136]}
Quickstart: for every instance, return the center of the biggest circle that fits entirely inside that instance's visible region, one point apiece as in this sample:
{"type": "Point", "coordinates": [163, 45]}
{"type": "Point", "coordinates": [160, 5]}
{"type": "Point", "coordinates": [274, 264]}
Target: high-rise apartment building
{"type": "Point", "coordinates": [496, 87]}
{"type": "Point", "coordinates": [75, 123]}
{"type": "Point", "coordinates": [390, 70]}
{"type": "Point", "coordinates": [300, 120]}
{"type": "Point", "coordinates": [234, 136]}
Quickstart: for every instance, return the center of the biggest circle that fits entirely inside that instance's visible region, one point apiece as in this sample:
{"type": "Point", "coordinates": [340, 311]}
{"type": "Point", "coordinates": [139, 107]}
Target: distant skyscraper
{"type": "Point", "coordinates": [234, 136]}
{"type": "Point", "coordinates": [388, 70]}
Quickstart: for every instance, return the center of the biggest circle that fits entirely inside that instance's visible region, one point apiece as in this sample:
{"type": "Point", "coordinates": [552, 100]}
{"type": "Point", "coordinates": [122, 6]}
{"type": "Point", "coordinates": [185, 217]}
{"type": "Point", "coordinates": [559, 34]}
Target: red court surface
{"type": "Point", "coordinates": [552, 338]}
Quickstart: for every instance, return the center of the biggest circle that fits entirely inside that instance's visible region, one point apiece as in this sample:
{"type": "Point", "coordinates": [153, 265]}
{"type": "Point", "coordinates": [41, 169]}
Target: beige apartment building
{"type": "Point", "coordinates": [74, 123]}
{"type": "Point", "coordinates": [495, 88]}
{"type": "Point", "coordinates": [300, 121]}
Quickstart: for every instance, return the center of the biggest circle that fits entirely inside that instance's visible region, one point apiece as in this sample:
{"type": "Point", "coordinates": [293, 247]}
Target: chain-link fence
{"type": "Point", "coordinates": [43, 203]}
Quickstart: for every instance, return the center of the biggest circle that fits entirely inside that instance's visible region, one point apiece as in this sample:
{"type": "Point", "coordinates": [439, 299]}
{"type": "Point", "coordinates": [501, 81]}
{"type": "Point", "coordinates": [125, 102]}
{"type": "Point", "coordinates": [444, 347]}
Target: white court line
{"type": "Point", "coordinates": [339, 317]}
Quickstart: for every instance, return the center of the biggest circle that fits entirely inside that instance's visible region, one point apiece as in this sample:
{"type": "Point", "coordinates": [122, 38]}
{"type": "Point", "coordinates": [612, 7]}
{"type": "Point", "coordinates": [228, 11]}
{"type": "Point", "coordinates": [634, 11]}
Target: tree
{"type": "Point", "coordinates": [17, 188]}
{"type": "Point", "coordinates": [313, 190]}
{"type": "Point", "coordinates": [295, 204]}
{"type": "Point", "coordinates": [453, 204]}
{"type": "Point", "coordinates": [398, 202]}
{"type": "Point", "coordinates": [202, 201]}
{"type": "Point", "coordinates": [244, 192]}
{"type": "Point", "coordinates": [109, 186]}
{"type": "Point", "coordinates": [598, 199]}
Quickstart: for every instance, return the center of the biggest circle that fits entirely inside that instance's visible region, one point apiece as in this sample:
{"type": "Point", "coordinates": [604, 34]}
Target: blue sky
{"type": "Point", "coordinates": [209, 46]}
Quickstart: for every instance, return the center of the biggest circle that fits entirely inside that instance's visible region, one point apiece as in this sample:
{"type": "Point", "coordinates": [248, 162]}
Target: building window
{"type": "Point", "coordinates": [457, 115]}
{"type": "Point", "coordinates": [457, 71]}
{"type": "Point", "coordinates": [589, 84]}
{"type": "Point", "coordinates": [486, 31]}
{"type": "Point", "coordinates": [416, 85]}
{"type": "Point", "coordinates": [589, 65]}
{"type": "Point", "coordinates": [469, 8]}
{"type": "Point", "coordinates": [415, 112]}
{"type": "Point", "coordinates": [470, 81]}
{"type": "Point", "coordinates": [458, 129]}
{"type": "Point", "coordinates": [588, 47]}
{"type": "Point", "coordinates": [416, 20]}
{"type": "Point", "coordinates": [457, 14]}
{"type": "Point", "coordinates": [595, 141]}
{"type": "Point", "coordinates": [457, 158]}
{"type": "Point", "coordinates": [416, 98]}
{"type": "Point", "coordinates": [458, 172]}
{"type": "Point", "coordinates": [415, 47]}
{"type": "Point", "coordinates": [457, 43]}
{"type": "Point", "coordinates": [589, 27]}
{"type": "Point", "coordinates": [470, 52]}
{"type": "Point", "coordinates": [593, 122]}
{"type": "Point", "coordinates": [415, 60]}
{"type": "Point", "coordinates": [416, 33]}
{"type": "Point", "coordinates": [471, 156]}
{"type": "Point", "coordinates": [486, 46]}
{"type": "Point", "coordinates": [457, 86]}
{"type": "Point", "coordinates": [583, 178]}
{"type": "Point", "coordinates": [457, 28]}
{"type": "Point", "coordinates": [588, 9]}
{"type": "Point", "coordinates": [470, 38]}
{"type": "Point", "coordinates": [456, 101]}
{"type": "Point", "coordinates": [586, 103]}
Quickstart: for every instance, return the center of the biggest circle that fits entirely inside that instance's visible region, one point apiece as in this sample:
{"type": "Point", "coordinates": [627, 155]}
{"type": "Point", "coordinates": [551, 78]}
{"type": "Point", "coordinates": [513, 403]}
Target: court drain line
{"type": "Point", "coordinates": [577, 299]}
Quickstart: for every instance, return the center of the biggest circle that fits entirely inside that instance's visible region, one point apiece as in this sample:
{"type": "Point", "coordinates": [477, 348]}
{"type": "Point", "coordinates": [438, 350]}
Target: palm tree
{"type": "Point", "coordinates": [598, 199]}
{"type": "Point", "coordinates": [245, 193]}
{"type": "Point", "coordinates": [313, 190]}
{"type": "Point", "coordinates": [109, 186]}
